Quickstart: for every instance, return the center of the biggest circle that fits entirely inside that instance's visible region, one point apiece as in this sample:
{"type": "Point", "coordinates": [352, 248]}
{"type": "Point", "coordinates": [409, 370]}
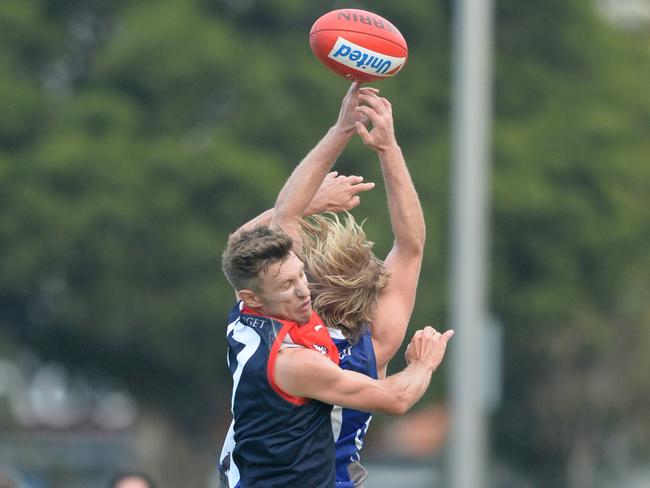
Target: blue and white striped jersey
{"type": "Point", "coordinates": [349, 426]}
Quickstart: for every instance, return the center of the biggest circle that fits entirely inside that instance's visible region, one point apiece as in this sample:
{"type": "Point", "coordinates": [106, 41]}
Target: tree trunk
{"type": "Point", "coordinates": [581, 466]}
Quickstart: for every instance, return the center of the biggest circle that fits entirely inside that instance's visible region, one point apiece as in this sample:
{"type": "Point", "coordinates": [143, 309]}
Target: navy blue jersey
{"type": "Point", "coordinates": [349, 426]}
{"type": "Point", "coordinates": [275, 440]}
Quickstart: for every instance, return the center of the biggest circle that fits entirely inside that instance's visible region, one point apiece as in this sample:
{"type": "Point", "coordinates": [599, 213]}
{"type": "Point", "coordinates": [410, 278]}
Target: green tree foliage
{"type": "Point", "coordinates": [571, 264]}
{"type": "Point", "coordinates": [134, 136]}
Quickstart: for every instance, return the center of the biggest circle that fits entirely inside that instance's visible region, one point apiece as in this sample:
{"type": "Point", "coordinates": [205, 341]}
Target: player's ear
{"type": "Point", "coordinates": [250, 298]}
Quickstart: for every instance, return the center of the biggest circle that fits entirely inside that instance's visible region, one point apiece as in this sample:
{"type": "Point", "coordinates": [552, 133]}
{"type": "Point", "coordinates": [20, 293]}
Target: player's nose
{"type": "Point", "coordinates": [302, 290]}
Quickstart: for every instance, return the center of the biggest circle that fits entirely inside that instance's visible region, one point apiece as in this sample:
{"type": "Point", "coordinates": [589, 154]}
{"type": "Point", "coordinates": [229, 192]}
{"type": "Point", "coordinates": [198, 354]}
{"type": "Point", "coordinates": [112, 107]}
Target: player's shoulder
{"type": "Point", "coordinates": [339, 338]}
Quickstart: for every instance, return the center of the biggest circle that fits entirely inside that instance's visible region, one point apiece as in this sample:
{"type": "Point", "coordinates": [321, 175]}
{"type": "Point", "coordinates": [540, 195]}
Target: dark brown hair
{"type": "Point", "coordinates": [250, 252]}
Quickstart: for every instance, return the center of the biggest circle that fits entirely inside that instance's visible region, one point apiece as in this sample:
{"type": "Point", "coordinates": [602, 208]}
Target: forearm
{"type": "Point", "coordinates": [337, 193]}
{"type": "Point", "coordinates": [305, 180]}
{"type": "Point", "coordinates": [406, 217]}
{"type": "Point", "coordinates": [305, 373]}
{"type": "Point", "coordinates": [266, 217]}
{"type": "Point", "coordinates": [405, 388]}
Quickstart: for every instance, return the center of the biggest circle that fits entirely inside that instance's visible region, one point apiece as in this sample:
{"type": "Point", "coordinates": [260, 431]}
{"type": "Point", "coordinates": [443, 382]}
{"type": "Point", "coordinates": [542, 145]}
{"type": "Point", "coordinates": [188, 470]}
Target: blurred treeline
{"type": "Point", "coordinates": [135, 135]}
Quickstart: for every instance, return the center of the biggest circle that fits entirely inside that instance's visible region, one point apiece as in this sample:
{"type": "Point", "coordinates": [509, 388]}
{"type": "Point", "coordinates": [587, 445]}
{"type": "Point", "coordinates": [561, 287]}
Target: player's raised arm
{"type": "Point", "coordinates": [337, 193]}
{"type": "Point", "coordinates": [307, 177]}
{"type": "Point", "coordinates": [396, 301]}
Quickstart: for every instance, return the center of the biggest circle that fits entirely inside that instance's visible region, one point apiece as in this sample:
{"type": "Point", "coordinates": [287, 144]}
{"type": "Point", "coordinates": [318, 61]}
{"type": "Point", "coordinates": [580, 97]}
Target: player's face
{"type": "Point", "coordinates": [285, 291]}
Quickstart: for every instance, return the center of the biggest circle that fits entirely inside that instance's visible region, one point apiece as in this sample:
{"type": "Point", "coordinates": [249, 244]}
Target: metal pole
{"type": "Point", "coordinates": [470, 174]}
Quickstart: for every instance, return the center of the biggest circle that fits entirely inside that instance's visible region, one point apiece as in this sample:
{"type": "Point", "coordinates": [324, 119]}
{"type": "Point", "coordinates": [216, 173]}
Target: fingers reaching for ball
{"type": "Point", "coordinates": [376, 131]}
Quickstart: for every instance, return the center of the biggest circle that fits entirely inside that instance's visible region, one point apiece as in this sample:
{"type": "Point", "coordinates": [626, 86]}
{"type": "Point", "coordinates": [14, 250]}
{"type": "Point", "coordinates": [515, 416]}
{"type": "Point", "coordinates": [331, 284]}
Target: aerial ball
{"type": "Point", "coordinates": [358, 45]}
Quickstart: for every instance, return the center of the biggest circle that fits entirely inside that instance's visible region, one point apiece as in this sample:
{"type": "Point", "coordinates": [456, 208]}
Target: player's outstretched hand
{"type": "Point", "coordinates": [348, 114]}
{"type": "Point", "coordinates": [427, 348]}
{"type": "Point", "coordinates": [379, 113]}
{"type": "Point", "coordinates": [338, 193]}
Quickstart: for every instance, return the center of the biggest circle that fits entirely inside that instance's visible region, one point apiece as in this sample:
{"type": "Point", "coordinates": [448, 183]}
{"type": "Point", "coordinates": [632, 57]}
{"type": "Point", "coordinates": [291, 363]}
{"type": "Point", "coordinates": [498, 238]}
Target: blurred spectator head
{"type": "Point", "coordinates": [6, 481]}
{"type": "Point", "coordinates": [131, 479]}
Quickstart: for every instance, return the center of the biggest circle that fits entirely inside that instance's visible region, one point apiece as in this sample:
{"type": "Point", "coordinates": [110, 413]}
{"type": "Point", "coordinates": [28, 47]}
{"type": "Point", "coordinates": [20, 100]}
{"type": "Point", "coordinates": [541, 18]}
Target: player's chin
{"type": "Point", "coordinates": [303, 315]}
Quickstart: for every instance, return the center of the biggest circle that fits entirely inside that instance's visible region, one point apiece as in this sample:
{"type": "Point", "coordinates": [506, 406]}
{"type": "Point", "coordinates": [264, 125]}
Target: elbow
{"type": "Point", "coordinates": [414, 245]}
{"type": "Point", "coordinates": [417, 247]}
{"type": "Point", "coordinates": [285, 222]}
{"type": "Point", "coordinates": [279, 219]}
{"type": "Point", "coordinates": [419, 240]}
{"type": "Point", "coordinates": [413, 249]}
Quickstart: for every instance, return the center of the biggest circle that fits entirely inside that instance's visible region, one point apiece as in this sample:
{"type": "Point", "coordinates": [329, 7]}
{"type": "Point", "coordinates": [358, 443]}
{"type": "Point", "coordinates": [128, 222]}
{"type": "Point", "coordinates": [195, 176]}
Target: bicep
{"type": "Point", "coordinates": [394, 306]}
{"type": "Point", "coordinates": [307, 374]}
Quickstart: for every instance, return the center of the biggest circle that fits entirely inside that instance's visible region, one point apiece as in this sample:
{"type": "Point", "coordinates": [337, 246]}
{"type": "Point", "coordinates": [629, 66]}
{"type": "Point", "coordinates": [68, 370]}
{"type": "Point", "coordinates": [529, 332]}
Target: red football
{"type": "Point", "coordinates": [358, 45]}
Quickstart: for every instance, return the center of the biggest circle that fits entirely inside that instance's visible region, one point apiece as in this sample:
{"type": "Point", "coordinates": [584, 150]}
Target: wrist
{"type": "Point", "coordinates": [390, 149]}
{"type": "Point", "coordinates": [421, 366]}
{"type": "Point", "coordinates": [345, 133]}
